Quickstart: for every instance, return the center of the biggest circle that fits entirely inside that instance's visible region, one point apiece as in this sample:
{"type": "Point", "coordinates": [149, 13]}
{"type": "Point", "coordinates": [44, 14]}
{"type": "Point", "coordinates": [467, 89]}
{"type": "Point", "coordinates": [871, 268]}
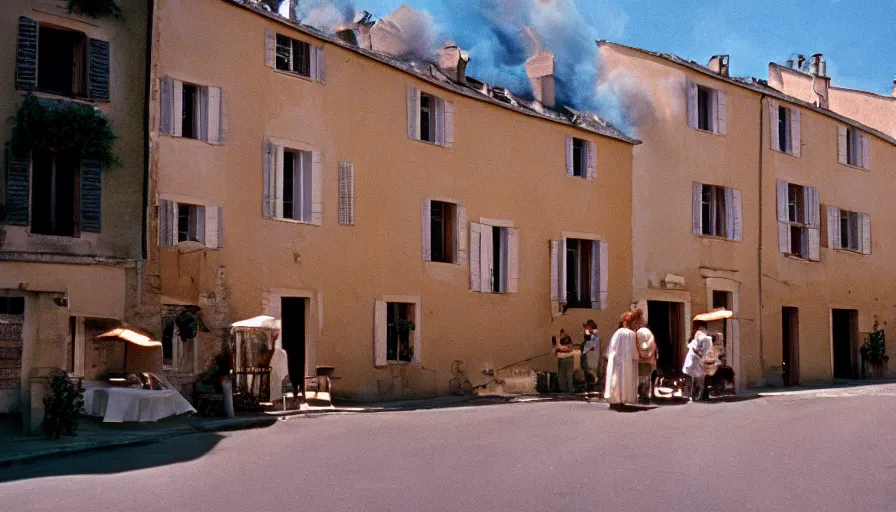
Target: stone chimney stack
{"type": "Point", "coordinates": [719, 64]}
{"type": "Point", "coordinates": [894, 87]}
{"type": "Point", "coordinates": [540, 69]}
{"type": "Point", "coordinates": [821, 83]}
{"type": "Point", "coordinates": [453, 62]}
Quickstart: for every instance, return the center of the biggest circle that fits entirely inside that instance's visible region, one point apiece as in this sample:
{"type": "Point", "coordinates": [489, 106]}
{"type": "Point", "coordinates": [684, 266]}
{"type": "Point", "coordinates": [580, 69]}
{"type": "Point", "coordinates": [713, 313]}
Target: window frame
{"type": "Point", "coordinates": [794, 224]}
{"type": "Point", "coordinates": [583, 262]}
{"type": "Point", "coordinates": [33, 197]}
{"type": "Point", "coordinates": [80, 88]}
{"type": "Point", "coordinates": [705, 98]}
{"type": "Point", "coordinates": [301, 178]}
{"type": "Point", "coordinates": [195, 220]}
{"type": "Point", "coordinates": [785, 143]}
{"type": "Point", "coordinates": [448, 244]}
{"type": "Point", "coordinates": [394, 355]}
{"type": "Point", "coordinates": [291, 67]}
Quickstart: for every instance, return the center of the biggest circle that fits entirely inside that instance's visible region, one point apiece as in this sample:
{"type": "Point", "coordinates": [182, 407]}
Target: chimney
{"type": "Point", "coordinates": [821, 83]}
{"type": "Point", "coordinates": [894, 87]}
{"type": "Point", "coordinates": [819, 67]}
{"type": "Point", "coordinates": [800, 59]}
{"type": "Point", "coordinates": [719, 64]}
{"type": "Point", "coordinates": [453, 62]}
{"type": "Point", "coordinates": [540, 69]}
{"type": "Point", "coordinates": [358, 31]}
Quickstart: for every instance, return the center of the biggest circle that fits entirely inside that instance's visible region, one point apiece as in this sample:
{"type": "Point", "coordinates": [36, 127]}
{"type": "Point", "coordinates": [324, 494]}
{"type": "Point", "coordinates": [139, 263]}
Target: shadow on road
{"type": "Point", "coordinates": [115, 460]}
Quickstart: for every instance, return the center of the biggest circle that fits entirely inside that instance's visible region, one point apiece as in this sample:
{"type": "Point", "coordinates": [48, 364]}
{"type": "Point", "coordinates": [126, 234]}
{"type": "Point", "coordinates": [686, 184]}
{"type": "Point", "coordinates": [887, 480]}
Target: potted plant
{"type": "Point", "coordinates": [62, 406]}
{"type": "Point", "coordinates": [874, 352]}
{"type": "Point", "coordinates": [403, 327]}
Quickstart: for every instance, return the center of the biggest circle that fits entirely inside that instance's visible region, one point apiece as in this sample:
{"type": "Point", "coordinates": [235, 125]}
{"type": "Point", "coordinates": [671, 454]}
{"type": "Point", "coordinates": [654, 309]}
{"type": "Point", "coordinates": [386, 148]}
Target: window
{"type": "Point", "coordinates": [293, 56]}
{"type": "Point", "coordinates": [443, 218]}
{"type": "Point", "coordinates": [848, 230]}
{"type": "Point", "coordinates": [190, 114]}
{"type": "Point", "coordinates": [397, 330]}
{"type": "Point", "coordinates": [297, 185]}
{"type": "Point", "coordinates": [293, 184]}
{"type": "Point", "coordinates": [494, 258]}
{"type": "Point", "coordinates": [581, 158]}
{"type": "Point", "coordinates": [190, 223]}
{"type": "Point", "coordinates": [717, 211]}
{"type": "Point", "coordinates": [784, 128]}
{"type": "Point", "coordinates": [707, 109]}
{"type": "Point", "coordinates": [853, 147]}
{"type": "Point", "coordinates": [12, 305]}
{"type": "Point", "coordinates": [191, 111]}
{"type": "Point", "coordinates": [798, 222]}
{"type": "Point", "coordinates": [579, 273]}
{"type": "Point", "coordinates": [54, 195]}
{"type": "Point", "coordinates": [184, 222]}
{"type": "Point", "coordinates": [430, 118]}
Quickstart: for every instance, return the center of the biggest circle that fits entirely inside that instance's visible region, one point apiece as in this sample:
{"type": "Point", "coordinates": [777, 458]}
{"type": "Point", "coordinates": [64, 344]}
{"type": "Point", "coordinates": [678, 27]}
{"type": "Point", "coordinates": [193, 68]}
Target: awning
{"type": "Point", "coordinates": [258, 322]}
{"type": "Point", "coordinates": [717, 314]}
{"type": "Point", "coordinates": [129, 336]}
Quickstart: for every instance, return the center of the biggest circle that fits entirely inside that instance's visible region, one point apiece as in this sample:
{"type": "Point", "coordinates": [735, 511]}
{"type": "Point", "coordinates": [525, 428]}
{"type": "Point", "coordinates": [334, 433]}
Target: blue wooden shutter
{"type": "Point", "coordinates": [98, 74]}
{"type": "Point", "coordinates": [91, 195]}
{"type": "Point", "coordinates": [26, 55]}
{"type": "Point", "coordinates": [17, 189]}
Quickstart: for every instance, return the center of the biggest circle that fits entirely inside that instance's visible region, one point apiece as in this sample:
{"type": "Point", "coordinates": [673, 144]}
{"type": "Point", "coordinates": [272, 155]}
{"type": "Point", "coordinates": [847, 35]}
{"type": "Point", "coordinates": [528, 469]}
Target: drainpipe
{"type": "Point", "coordinates": [147, 87]}
{"type": "Point", "coordinates": [759, 318]}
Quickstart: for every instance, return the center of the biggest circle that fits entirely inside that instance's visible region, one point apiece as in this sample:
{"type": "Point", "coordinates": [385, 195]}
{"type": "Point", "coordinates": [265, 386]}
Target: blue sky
{"type": "Point", "coordinates": [857, 37]}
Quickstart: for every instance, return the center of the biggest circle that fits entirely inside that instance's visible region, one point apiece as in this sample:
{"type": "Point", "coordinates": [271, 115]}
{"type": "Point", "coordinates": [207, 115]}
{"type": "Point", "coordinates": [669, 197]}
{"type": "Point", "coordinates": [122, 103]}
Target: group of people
{"type": "Point", "coordinates": [631, 360]}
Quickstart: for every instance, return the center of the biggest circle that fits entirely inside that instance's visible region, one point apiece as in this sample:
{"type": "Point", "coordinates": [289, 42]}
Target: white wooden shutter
{"type": "Point", "coordinates": [413, 99]}
{"type": "Point", "coordinates": [380, 336]}
{"type": "Point", "coordinates": [721, 113]}
{"type": "Point", "coordinates": [270, 49]}
{"type": "Point", "coordinates": [213, 108]}
{"type": "Point", "coordinates": [220, 226]}
{"type": "Point", "coordinates": [555, 270]}
{"type": "Point", "coordinates": [426, 223]}
{"type": "Point", "coordinates": [784, 237]}
{"type": "Point", "coordinates": [782, 201]}
{"type": "Point", "coordinates": [461, 244]}
{"type": "Point", "coordinates": [317, 188]}
{"type": "Point", "coordinates": [734, 199]}
{"type": "Point", "coordinates": [268, 203]}
{"type": "Point", "coordinates": [197, 217]}
{"type": "Point", "coordinates": [167, 223]}
{"type": "Point", "coordinates": [592, 160]}
{"type": "Point", "coordinates": [866, 233]}
{"type": "Point", "coordinates": [841, 145]}
{"type": "Point", "coordinates": [346, 193]}
{"type": "Point", "coordinates": [317, 64]}
{"type": "Point", "coordinates": [513, 260]}
{"type": "Point", "coordinates": [438, 110]}
{"type": "Point", "coordinates": [604, 274]}
{"type": "Point", "coordinates": [448, 134]}
{"type": "Point", "coordinates": [795, 133]}
{"type": "Point", "coordinates": [773, 124]}
{"type": "Point", "coordinates": [863, 143]}
{"type": "Point", "coordinates": [166, 103]}
{"type": "Point", "coordinates": [692, 104]}
{"type": "Point", "coordinates": [833, 227]}
{"type": "Point", "coordinates": [814, 244]}
{"type": "Point", "coordinates": [697, 209]}
{"type": "Point", "coordinates": [810, 202]}
{"type": "Point", "coordinates": [178, 108]}
{"type": "Point", "coordinates": [486, 258]}
{"type": "Point", "coordinates": [595, 275]}
{"type": "Point", "coordinates": [277, 183]}
{"type": "Point", "coordinates": [562, 266]}
{"type": "Point", "coordinates": [475, 268]}
{"type": "Point", "coordinates": [570, 166]}
{"type": "Point", "coordinates": [211, 226]}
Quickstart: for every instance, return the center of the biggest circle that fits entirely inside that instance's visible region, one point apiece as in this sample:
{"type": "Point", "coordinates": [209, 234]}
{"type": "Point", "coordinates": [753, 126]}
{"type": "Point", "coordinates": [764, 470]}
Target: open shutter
{"type": "Point", "coordinates": [592, 160]}
{"type": "Point", "coordinates": [317, 187]}
{"type": "Point", "coordinates": [178, 107]}
{"type": "Point", "coordinates": [475, 268]}
{"type": "Point", "coordinates": [795, 143]}
{"type": "Point", "coordinates": [268, 195]}
{"type": "Point", "coordinates": [782, 201]}
{"type": "Point", "coordinates": [486, 258]}
{"type": "Point", "coordinates": [26, 55]}
{"type": "Point", "coordinates": [346, 193]}
{"type": "Point", "coordinates": [98, 70]}
{"type": "Point", "coordinates": [513, 260]}
{"type": "Point", "coordinates": [734, 198]}
{"type": "Point", "coordinates": [841, 145]}
{"type": "Point", "coordinates": [448, 134]}
{"type": "Point", "coordinates": [91, 196]}
{"type": "Point", "coordinates": [697, 209]}
{"type": "Point", "coordinates": [166, 103]}
{"type": "Point", "coordinates": [438, 108]}
{"type": "Point", "coordinates": [814, 244]}
{"type": "Point", "coordinates": [270, 49]}
{"type": "Point", "coordinates": [604, 274]}
{"type": "Point", "coordinates": [317, 64]}
{"type": "Point", "coordinates": [833, 214]}
{"type": "Point", "coordinates": [692, 104]}
{"type": "Point", "coordinates": [413, 99]}
{"type": "Point", "coordinates": [866, 233]}
{"type": "Point", "coordinates": [784, 237]}
{"type": "Point", "coordinates": [213, 128]}
{"type": "Point", "coordinates": [863, 142]}
{"type": "Point", "coordinates": [211, 226]}
{"type": "Point", "coordinates": [167, 223]}
{"type": "Point", "coordinates": [555, 270]}
{"type": "Point", "coordinates": [426, 223]}
{"type": "Point", "coordinates": [562, 266]}
{"type": "Point", "coordinates": [380, 336]}
{"type": "Point", "coordinates": [569, 157]}
{"type": "Point", "coordinates": [810, 201]}
{"type": "Point", "coordinates": [594, 278]}
{"type": "Point", "coordinates": [773, 124]}
{"type": "Point", "coordinates": [461, 244]}
{"type": "Point", "coordinates": [220, 226]}
{"type": "Point", "coordinates": [721, 113]}
{"type": "Point", "coordinates": [18, 190]}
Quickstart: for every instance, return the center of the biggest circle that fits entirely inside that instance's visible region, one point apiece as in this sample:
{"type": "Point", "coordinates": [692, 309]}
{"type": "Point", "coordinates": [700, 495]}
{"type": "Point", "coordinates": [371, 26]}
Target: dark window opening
{"type": "Point", "coordinates": [427, 103]}
{"type": "Point", "coordinates": [714, 211]}
{"type": "Point", "coordinates": [190, 223]}
{"type": "Point", "coordinates": [783, 129]}
{"type": "Point", "coordinates": [56, 189]}
{"type": "Point", "coordinates": [578, 158]}
{"type": "Point", "coordinates": [704, 108]}
{"type": "Point", "coordinates": [799, 242]}
{"type": "Point", "coordinates": [190, 112]}
{"type": "Point", "coordinates": [399, 315]}
{"type": "Point", "coordinates": [293, 56]}
{"type": "Point", "coordinates": [443, 226]}
{"type": "Point", "coordinates": [297, 185]}
{"type": "Point", "coordinates": [795, 204]}
{"type": "Point", "coordinates": [289, 182]}
{"type": "Point", "coordinates": [12, 305]}
{"type": "Point", "coordinates": [578, 273]}
{"type": "Point", "coordinates": [499, 269]}
{"type": "Point", "coordinates": [62, 62]}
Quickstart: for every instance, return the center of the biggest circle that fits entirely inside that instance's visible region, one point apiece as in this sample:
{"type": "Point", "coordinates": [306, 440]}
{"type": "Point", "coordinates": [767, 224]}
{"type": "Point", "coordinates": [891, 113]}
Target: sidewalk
{"type": "Point", "coordinates": [92, 434]}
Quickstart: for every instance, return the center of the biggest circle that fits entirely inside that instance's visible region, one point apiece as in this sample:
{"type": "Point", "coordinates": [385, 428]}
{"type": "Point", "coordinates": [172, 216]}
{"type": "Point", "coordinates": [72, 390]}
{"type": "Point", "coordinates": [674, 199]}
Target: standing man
{"type": "Point", "coordinates": [565, 363]}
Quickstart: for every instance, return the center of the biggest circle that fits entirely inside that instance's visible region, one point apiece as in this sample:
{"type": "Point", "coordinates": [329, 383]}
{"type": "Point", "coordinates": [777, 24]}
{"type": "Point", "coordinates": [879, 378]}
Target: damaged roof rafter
{"type": "Point", "coordinates": [435, 77]}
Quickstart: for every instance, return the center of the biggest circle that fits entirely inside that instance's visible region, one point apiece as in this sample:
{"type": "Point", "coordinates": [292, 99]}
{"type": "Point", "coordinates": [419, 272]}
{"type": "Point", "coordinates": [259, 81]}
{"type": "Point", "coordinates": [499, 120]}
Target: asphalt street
{"type": "Point", "coordinates": [828, 451]}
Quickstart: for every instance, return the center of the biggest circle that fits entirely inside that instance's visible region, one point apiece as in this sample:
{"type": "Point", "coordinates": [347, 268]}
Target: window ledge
{"type": "Point", "coordinates": [849, 251]}
{"type": "Point", "coordinates": [190, 138]}
{"type": "Point", "coordinates": [59, 96]}
{"type": "Point", "coordinates": [400, 363]}
{"type": "Point", "coordinates": [292, 221]}
{"type": "Point", "coordinates": [716, 237]}
{"type": "Point", "coordinates": [798, 258]}
{"type": "Point", "coordinates": [455, 263]}
{"type": "Point", "coordinates": [782, 152]}
{"type": "Point", "coordinates": [294, 75]}
{"type": "Point", "coordinates": [708, 131]}
{"type": "Point", "coordinates": [855, 167]}
{"type": "Point", "coordinates": [428, 143]}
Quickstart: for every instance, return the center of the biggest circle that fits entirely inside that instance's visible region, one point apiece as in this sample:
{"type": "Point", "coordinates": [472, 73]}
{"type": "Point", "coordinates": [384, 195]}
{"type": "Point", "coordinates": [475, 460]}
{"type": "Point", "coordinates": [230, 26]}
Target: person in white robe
{"type": "Point", "coordinates": [622, 368]}
{"type": "Point", "coordinates": [698, 348]}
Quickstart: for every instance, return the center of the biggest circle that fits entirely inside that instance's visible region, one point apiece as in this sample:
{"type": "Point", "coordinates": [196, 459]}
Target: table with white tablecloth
{"type": "Point", "coordinates": [116, 405]}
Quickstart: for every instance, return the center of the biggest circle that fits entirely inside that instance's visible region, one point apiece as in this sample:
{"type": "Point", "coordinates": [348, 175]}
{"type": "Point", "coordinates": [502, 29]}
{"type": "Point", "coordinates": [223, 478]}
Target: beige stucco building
{"type": "Point", "coordinates": [319, 181]}
{"type": "Point", "coordinates": [70, 233]}
{"type": "Point", "coordinates": [739, 191]}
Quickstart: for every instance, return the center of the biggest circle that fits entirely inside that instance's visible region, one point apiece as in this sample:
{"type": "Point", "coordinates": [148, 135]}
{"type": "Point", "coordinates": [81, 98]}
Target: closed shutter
{"type": "Point", "coordinates": [562, 267]}
{"type": "Point", "coordinates": [570, 165]}
{"type": "Point", "coordinates": [866, 233]}
{"type": "Point", "coordinates": [177, 89]}
{"type": "Point", "coordinates": [604, 274]}
{"type": "Point", "coordinates": [841, 145]}
{"type": "Point", "coordinates": [513, 260]}
{"type": "Point", "coordinates": [449, 124]}
{"type": "Point", "coordinates": [784, 237]}
{"type": "Point", "coordinates": [213, 109]}
{"type": "Point", "coordinates": [486, 259]}
{"type": "Point", "coordinates": [380, 336]}
{"type": "Point", "coordinates": [268, 194]}
{"type": "Point", "coordinates": [220, 226]}
{"type": "Point", "coordinates": [592, 160]}
{"type": "Point", "coordinates": [91, 196]}
{"type": "Point", "coordinates": [18, 190]}
{"type": "Point", "coordinates": [773, 124]}
{"type": "Point", "coordinates": [833, 238]}
{"type": "Point", "coordinates": [814, 239]}
{"type": "Point", "coordinates": [721, 113]}
{"type": "Point", "coordinates": [211, 225]}
{"type": "Point", "coordinates": [317, 187]}
{"type": "Point", "coordinates": [795, 132]}
{"type": "Point", "coordinates": [734, 215]}
{"type": "Point", "coordinates": [270, 49]}
{"type": "Point", "coordinates": [166, 103]}
{"type": "Point", "coordinates": [346, 193]}
{"type": "Point", "coordinates": [167, 223]}
{"type": "Point", "coordinates": [413, 99]}
{"type": "Point", "coordinates": [782, 187]}
{"type": "Point", "coordinates": [98, 70]}
{"type": "Point", "coordinates": [692, 104]}
{"type": "Point", "coordinates": [26, 55]}
{"type": "Point", "coordinates": [863, 142]}
{"type": "Point", "coordinates": [594, 278]}
{"type": "Point", "coordinates": [461, 221]}
{"type": "Point", "coordinates": [426, 223]}
{"type": "Point", "coordinates": [697, 209]}
{"type": "Point", "coordinates": [475, 267]}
